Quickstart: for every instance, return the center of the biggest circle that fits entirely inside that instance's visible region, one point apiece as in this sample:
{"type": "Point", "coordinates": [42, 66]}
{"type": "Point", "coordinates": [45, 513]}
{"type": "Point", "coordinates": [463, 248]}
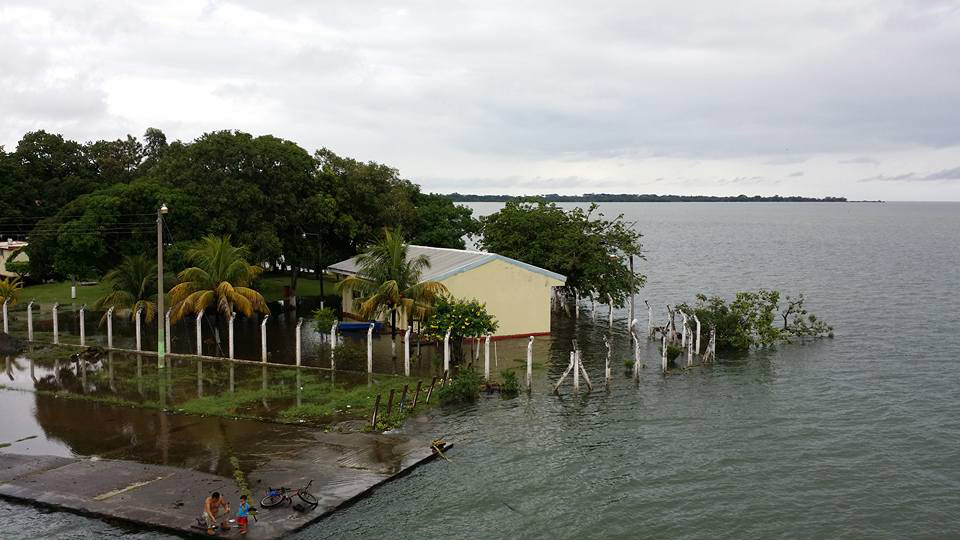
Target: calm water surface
{"type": "Point", "coordinates": [858, 436]}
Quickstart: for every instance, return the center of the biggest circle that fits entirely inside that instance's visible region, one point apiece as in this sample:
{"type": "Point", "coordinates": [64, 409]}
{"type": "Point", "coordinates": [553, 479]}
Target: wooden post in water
{"type": "Point", "coordinates": [166, 328]}
{"type": "Point", "coordinates": [390, 402]}
{"type": "Point", "coordinates": [370, 348]}
{"type": "Point", "coordinates": [30, 321]}
{"type": "Point", "coordinates": [83, 326]}
{"type": "Point", "coordinates": [530, 363]}
{"type": "Point", "coordinates": [486, 357]}
{"type": "Point", "coordinates": [263, 339]}
{"type": "Point", "coordinates": [583, 371]}
{"type": "Point", "coordinates": [576, 371]}
{"type": "Point", "coordinates": [446, 353]}
{"type": "Point", "coordinates": [406, 351]}
{"type": "Point", "coordinates": [110, 328]}
{"type": "Point", "coordinates": [610, 315]}
{"type": "Point", "coordinates": [416, 395]}
{"type": "Point", "coordinates": [200, 334]}
{"type": "Point", "coordinates": [430, 391]}
{"type": "Point", "coordinates": [6, 323]}
{"type": "Point", "coordinates": [56, 325]}
{"type": "Point", "coordinates": [556, 387]}
{"type": "Point", "coordinates": [697, 346]}
{"type": "Point", "coordinates": [403, 397]}
{"type": "Point", "coordinates": [297, 333]}
{"type": "Point", "coordinates": [136, 323]}
{"type": "Point", "coordinates": [606, 370]}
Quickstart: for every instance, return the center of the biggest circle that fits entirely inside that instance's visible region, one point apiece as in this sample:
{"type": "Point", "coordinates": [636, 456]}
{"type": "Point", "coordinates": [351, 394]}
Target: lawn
{"type": "Point", "coordinates": [271, 286]}
{"type": "Point", "coordinates": [48, 293]}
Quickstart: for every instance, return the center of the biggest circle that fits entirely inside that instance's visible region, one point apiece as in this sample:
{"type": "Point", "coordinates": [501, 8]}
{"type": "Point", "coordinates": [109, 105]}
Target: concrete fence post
{"type": "Point", "coordinates": [30, 321]}
{"type": "Point", "coordinates": [200, 334]}
{"type": "Point", "coordinates": [333, 344]}
{"type": "Point", "coordinates": [576, 371]}
{"type": "Point", "coordinates": [56, 325]}
{"type": "Point", "coordinates": [406, 351]}
{"type": "Point", "coordinates": [83, 325]}
{"type": "Point", "coordinates": [486, 357]}
{"type": "Point", "coordinates": [370, 348]}
{"type": "Point", "coordinates": [166, 331]}
{"type": "Point", "coordinates": [529, 363]}
{"type": "Point", "coordinates": [649, 320]}
{"type": "Point", "coordinates": [446, 353]}
{"type": "Point", "coordinates": [683, 338]}
{"type": "Point", "coordinates": [6, 322]}
{"type": "Point", "coordinates": [299, 324]}
{"type": "Point", "coordinates": [263, 339]}
{"type": "Point", "coordinates": [233, 316]}
{"type": "Point", "coordinates": [137, 316]}
{"type": "Point", "coordinates": [663, 355]}
{"type": "Point", "coordinates": [696, 320]}
{"type": "Point", "coordinates": [610, 315]}
{"type": "Point", "coordinates": [110, 328]}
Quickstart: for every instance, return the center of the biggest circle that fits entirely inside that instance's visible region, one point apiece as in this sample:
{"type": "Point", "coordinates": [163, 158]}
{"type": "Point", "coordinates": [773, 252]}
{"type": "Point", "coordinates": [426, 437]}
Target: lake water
{"type": "Point", "coordinates": [858, 436]}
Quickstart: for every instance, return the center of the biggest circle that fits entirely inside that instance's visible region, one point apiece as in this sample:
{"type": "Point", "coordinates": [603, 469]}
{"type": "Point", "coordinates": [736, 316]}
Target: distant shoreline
{"type": "Point", "coordinates": [628, 197]}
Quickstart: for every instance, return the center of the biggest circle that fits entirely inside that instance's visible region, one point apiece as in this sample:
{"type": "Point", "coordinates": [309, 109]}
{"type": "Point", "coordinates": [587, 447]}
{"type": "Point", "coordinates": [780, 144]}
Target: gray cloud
{"type": "Point", "coordinates": [946, 175]}
{"type": "Point", "coordinates": [862, 160]}
{"type": "Point", "coordinates": [796, 174]}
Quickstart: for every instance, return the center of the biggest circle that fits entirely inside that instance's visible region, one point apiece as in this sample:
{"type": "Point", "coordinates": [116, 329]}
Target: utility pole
{"type": "Point", "coordinates": [161, 341]}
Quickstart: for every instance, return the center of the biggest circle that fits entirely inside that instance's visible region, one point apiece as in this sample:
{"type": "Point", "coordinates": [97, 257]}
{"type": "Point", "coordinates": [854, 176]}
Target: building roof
{"type": "Point", "coordinates": [446, 262]}
{"type": "Point", "coordinates": [12, 245]}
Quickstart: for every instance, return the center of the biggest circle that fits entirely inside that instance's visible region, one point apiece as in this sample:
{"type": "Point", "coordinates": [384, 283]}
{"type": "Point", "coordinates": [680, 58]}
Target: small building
{"type": "Point", "coordinates": [516, 293]}
{"type": "Point", "coordinates": [11, 250]}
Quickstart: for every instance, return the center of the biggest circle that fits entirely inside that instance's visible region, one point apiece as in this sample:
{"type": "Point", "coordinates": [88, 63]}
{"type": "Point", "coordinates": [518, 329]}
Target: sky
{"type": "Point", "coordinates": [854, 98]}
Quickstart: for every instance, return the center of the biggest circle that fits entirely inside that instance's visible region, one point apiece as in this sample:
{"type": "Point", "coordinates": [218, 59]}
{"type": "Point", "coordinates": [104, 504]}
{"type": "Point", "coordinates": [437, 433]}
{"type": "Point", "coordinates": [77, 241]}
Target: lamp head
{"type": "Point", "coordinates": [163, 209]}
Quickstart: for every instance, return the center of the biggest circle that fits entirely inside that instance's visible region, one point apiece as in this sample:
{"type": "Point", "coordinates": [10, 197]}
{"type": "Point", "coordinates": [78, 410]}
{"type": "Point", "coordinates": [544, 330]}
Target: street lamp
{"type": "Point", "coordinates": [161, 340]}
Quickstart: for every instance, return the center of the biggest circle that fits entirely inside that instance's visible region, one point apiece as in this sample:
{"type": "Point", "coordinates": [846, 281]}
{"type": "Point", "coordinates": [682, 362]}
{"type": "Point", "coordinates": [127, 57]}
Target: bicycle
{"type": "Point", "coordinates": [276, 497]}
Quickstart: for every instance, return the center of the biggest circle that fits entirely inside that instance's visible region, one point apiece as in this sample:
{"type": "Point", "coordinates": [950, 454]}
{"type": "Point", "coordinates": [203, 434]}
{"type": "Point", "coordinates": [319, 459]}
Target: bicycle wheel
{"type": "Point", "coordinates": [308, 498]}
{"type": "Point", "coordinates": [271, 500]}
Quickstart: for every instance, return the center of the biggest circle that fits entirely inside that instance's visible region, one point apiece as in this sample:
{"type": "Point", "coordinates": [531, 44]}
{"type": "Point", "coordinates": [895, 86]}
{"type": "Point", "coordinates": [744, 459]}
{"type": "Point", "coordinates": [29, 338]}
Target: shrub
{"type": "Point", "coordinates": [323, 319]}
{"type": "Point", "coordinates": [673, 351]}
{"type": "Point", "coordinates": [464, 388]}
{"type": "Point", "coordinates": [511, 385]}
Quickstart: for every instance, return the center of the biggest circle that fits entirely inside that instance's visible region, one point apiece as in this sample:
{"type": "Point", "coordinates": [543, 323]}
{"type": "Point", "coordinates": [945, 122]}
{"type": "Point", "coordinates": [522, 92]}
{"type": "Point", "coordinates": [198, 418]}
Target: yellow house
{"type": "Point", "coordinates": [516, 293]}
{"type": "Point", "coordinates": [11, 250]}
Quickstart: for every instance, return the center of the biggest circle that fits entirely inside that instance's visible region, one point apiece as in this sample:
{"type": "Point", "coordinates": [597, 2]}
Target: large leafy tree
{"type": "Point", "coordinates": [220, 279]}
{"type": "Point", "coordinates": [591, 250]}
{"type": "Point", "coordinates": [388, 282]}
{"type": "Point", "coordinates": [133, 286]}
{"type": "Point", "coordinates": [441, 223]}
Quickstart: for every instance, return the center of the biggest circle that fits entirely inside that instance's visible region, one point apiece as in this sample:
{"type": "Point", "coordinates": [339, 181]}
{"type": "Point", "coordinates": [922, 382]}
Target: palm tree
{"type": "Point", "coordinates": [389, 282]}
{"type": "Point", "coordinates": [220, 278]}
{"type": "Point", "coordinates": [133, 286]}
{"type": "Point", "coordinates": [10, 290]}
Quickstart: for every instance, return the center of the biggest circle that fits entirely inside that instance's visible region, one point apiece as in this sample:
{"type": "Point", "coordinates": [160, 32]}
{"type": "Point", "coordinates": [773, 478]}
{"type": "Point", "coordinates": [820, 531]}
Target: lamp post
{"type": "Point", "coordinates": [161, 340]}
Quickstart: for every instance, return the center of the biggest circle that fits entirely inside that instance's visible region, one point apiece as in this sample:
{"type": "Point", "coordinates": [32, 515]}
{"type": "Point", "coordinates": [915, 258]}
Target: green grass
{"type": "Point", "coordinates": [49, 293]}
{"type": "Point", "coordinates": [271, 286]}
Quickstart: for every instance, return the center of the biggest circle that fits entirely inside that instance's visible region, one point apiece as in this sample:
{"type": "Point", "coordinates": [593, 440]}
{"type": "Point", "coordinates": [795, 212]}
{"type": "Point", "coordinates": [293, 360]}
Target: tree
{"type": "Point", "coordinates": [133, 286]}
{"type": "Point", "coordinates": [20, 268]}
{"type": "Point", "coordinates": [441, 223]}
{"type": "Point", "coordinates": [463, 318]}
{"type": "Point", "coordinates": [220, 279]}
{"type": "Point", "coordinates": [591, 251]}
{"type": "Point", "coordinates": [389, 282]}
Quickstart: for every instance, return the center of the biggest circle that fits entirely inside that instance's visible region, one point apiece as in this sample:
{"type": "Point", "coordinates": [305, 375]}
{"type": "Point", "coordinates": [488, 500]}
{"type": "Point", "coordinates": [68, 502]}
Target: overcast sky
{"type": "Point", "coordinates": [853, 98]}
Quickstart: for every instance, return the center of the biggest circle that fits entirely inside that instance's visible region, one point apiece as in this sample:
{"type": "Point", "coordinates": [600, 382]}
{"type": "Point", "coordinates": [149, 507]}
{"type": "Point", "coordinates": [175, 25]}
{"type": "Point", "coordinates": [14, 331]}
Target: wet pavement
{"type": "Point", "coordinates": [342, 467]}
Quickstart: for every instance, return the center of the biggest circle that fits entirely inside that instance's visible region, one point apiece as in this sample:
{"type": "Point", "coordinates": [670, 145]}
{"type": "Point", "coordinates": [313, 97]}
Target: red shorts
{"type": "Point", "coordinates": [242, 521]}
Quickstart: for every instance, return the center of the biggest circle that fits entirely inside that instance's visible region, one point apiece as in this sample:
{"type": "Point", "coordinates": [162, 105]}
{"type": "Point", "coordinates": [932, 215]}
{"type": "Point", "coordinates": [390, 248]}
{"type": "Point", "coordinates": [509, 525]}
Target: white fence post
{"type": "Point", "coordinates": [137, 323]}
{"type": "Point", "coordinates": [83, 326]}
{"type": "Point", "coordinates": [30, 321]}
{"type": "Point", "coordinates": [263, 339]}
{"type": "Point", "coordinates": [166, 330]}
{"type": "Point", "coordinates": [406, 351]}
{"type": "Point", "coordinates": [663, 358]}
{"type": "Point", "coordinates": [649, 320]}
{"type": "Point", "coordinates": [110, 328]}
{"type": "Point", "coordinates": [56, 325]}
{"type": "Point", "coordinates": [333, 343]}
{"type": "Point", "coordinates": [610, 303]}
{"type": "Point", "coordinates": [529, 363]}
{"type": "Point", "coordinates": [576, 371]}
{"type": "Point", "coordinates": [683, 338]}
{"type": "Point", "coordinates": [299, 324]}
{"type": "Point", "coordinates": [696, 320]}
{"type": "Point", "coordinates": [370, 348]}
{"type": "Point", "coordinates": [606, 370]}
{"type": "Point", "coordinates": [200, 334]}
{"type": "Point", "coordinates": [446, 354]}
{"type": "Point", "coordinates": [486, 357]}
{"type": "Point", "coordinates": [233, 315]}
{"type": "Point", "coordinates": [6, 323]}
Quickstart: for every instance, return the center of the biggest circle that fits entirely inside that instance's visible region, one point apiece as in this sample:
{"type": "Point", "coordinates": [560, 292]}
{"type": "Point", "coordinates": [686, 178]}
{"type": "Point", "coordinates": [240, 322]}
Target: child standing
{"type": "Point", "coordinates": [242, 512]}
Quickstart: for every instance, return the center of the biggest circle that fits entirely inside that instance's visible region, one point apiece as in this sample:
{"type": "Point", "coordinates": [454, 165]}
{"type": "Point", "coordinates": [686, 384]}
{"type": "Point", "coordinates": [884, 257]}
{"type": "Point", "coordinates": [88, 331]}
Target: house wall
{"type": "Point", "coordinates": [517, 297]}
{"type": "Point", "coordinates": [5, 255]}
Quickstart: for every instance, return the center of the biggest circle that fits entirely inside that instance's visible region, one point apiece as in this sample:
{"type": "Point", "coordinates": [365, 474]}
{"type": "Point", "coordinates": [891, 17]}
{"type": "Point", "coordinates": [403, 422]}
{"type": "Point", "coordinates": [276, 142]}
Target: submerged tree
{"type": "Point", "coordinates": [750, 320]}
{"type": "Point", "coordinates": [221, 278]}
{"type": "Point", "coordinates": [133, 286]}
{"type": "Point", "coordinates": [388, 282]}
